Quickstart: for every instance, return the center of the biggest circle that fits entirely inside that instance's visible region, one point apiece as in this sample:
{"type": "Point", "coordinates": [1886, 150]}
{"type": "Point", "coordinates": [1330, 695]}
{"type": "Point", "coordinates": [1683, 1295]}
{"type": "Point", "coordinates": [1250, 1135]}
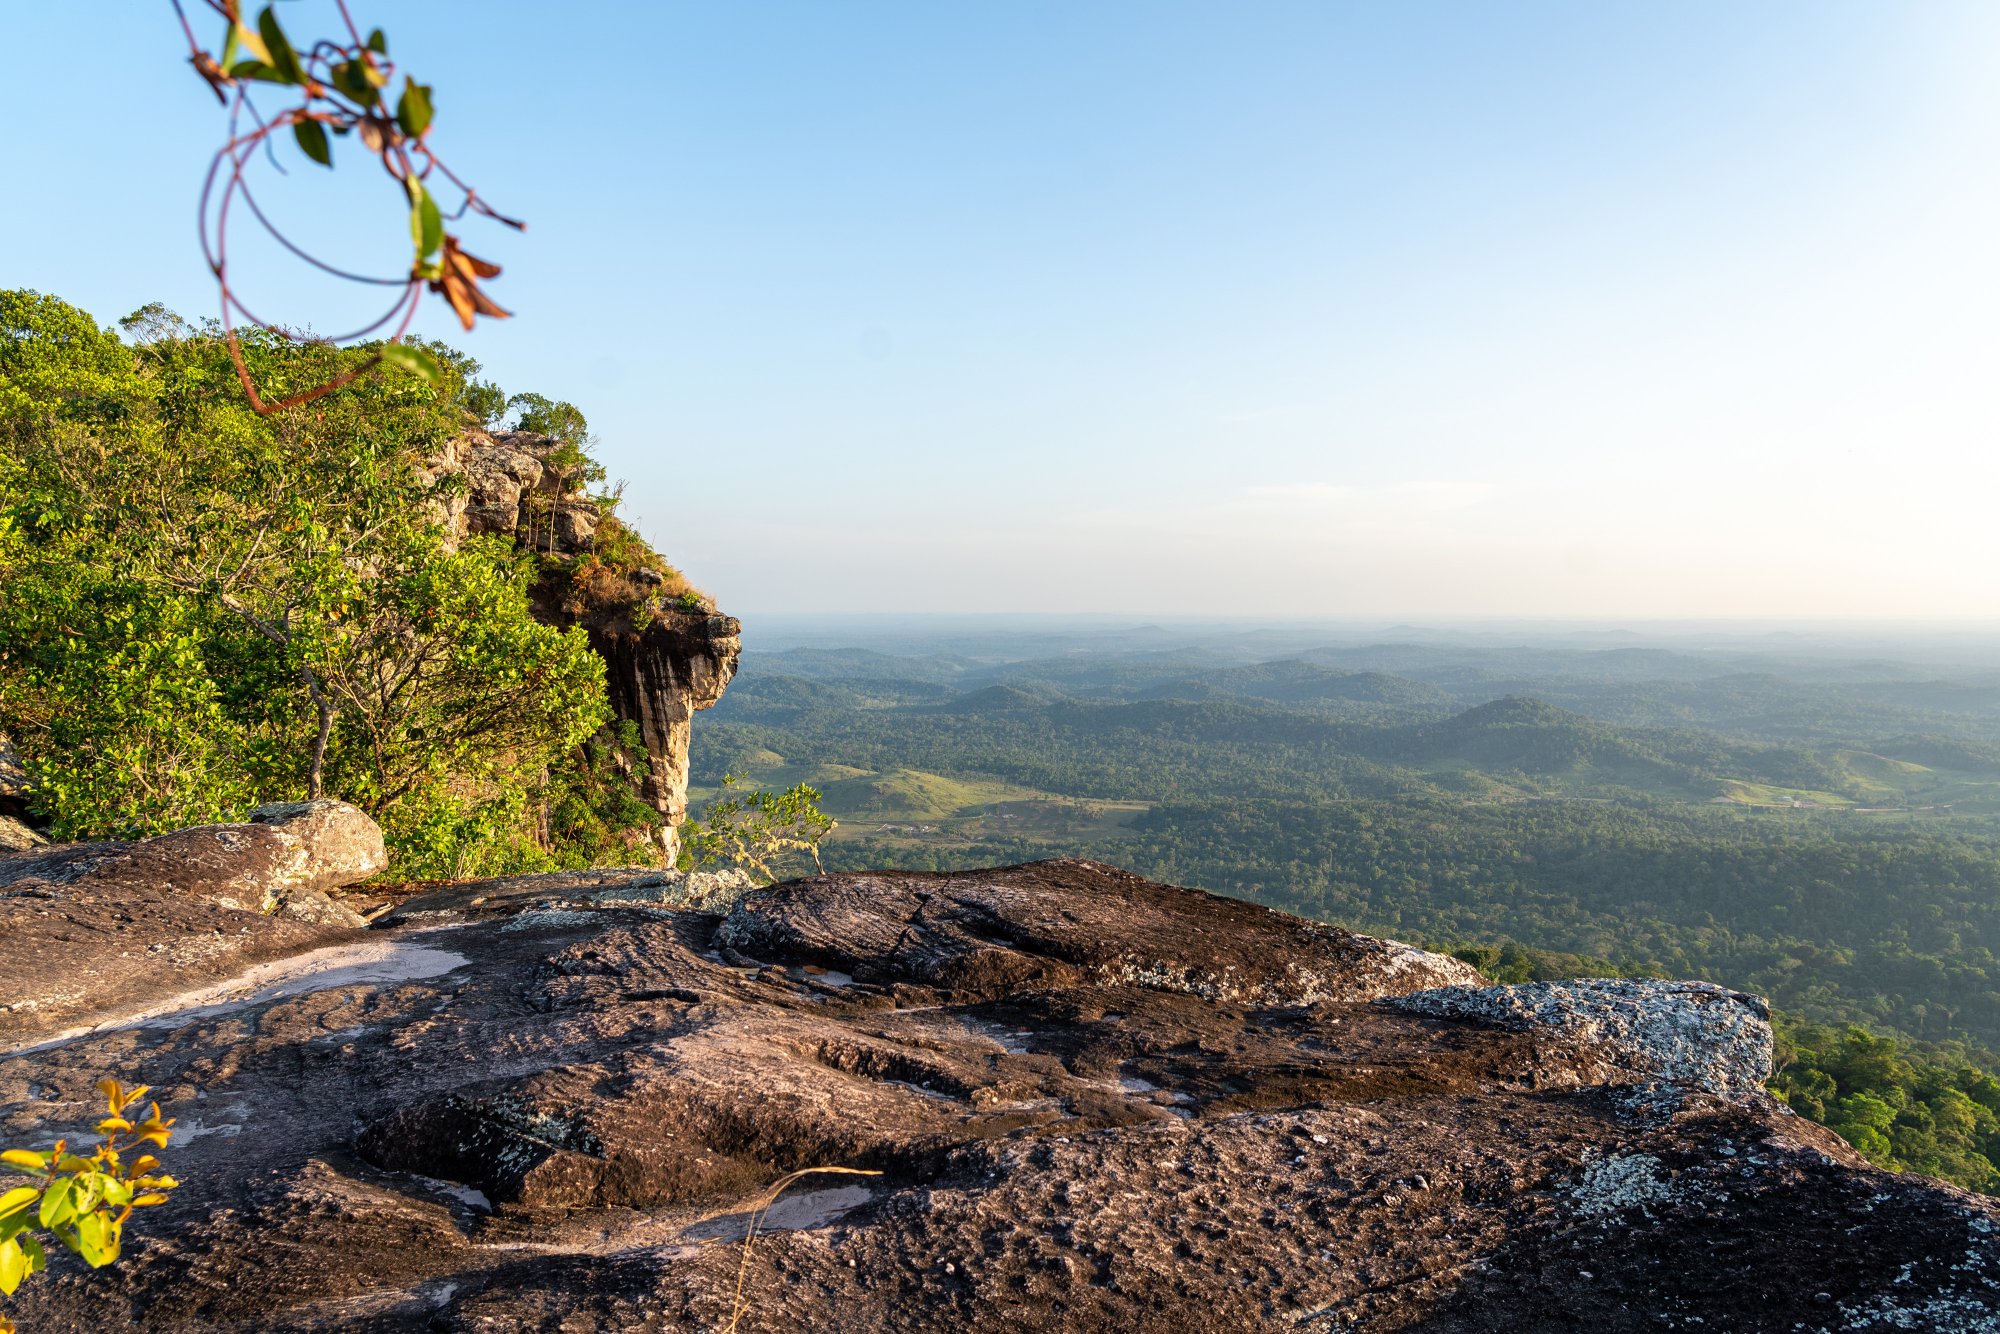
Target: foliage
{"type": "Point", "coordinates": [343, 85]}
{"type": "Point", "coordinates": [756, 830]}
{"type": "Point", "coordinates": [1511, 961]}
{"type": "Point", "coordinates": [596, 815]}
{"type": "Point", "coordinates": [1909, 1108]}
{"type": "Point", "coordinates": [83, 1202]}
{"type": "Point", "coordinates": [202, 608]}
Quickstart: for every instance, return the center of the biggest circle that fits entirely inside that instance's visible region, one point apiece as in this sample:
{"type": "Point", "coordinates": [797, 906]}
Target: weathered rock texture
{"type": "Point", "coordinates": [1667, 1034]}
{"type": "Point", "coordinates": [1093, 1103]}
{"type": "Point", "coordinates": [659, 676]}
{"type": "Point", "coordinates": [664, 661]}
{"type": "Point", "coordinates": [86, 927]}
{"type": "Point", "coordinates": [15, 833]}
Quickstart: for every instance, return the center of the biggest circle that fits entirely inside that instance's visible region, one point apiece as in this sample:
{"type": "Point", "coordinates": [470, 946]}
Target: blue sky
{"type": "Point", "coordinates": [1275, 308]}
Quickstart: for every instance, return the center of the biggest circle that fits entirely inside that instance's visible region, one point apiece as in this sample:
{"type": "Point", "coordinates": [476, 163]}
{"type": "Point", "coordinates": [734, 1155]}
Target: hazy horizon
{"type": "Point", "coordinates": [1430, 311]}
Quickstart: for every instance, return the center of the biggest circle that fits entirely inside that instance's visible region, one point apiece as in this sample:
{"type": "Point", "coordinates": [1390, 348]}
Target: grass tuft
{"type": "Point", "coordinates": [764, 1203]}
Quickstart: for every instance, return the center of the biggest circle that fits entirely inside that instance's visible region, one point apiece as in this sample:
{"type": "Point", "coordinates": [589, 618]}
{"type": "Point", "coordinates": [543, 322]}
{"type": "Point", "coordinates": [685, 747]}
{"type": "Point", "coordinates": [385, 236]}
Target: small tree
{"type": "Point", "coordinates": [756, 830]}
{"type": "Point", "coordinates": [82, 1202]}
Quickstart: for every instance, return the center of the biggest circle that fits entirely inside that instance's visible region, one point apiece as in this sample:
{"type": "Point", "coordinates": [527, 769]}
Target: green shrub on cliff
{"type": "Point", "coordinates": [760, 832]}
{"type": "Point", "coordinates": [202, 609]}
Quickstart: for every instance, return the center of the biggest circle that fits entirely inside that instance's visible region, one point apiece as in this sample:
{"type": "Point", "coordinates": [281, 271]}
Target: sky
{"type": "Point", "coordinates": [1273, 309]}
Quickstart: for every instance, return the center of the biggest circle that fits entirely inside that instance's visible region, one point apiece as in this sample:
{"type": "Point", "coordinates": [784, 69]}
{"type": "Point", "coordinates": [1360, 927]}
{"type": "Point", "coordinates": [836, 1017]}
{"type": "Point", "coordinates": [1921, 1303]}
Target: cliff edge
{"type": "Point", "coordinates": [667, 651]}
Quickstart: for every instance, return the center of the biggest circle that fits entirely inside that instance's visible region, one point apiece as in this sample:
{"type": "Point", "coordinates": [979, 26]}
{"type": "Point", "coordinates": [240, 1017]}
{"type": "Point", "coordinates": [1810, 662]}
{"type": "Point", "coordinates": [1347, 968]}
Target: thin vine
{"type": "Point", "coordinates": [343, 86]}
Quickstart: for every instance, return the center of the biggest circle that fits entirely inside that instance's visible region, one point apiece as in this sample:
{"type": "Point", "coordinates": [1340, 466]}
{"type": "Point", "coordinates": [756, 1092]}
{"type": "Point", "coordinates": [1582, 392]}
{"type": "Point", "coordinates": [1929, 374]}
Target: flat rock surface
{"type": "Point", "coordinates": [1087, 1102]}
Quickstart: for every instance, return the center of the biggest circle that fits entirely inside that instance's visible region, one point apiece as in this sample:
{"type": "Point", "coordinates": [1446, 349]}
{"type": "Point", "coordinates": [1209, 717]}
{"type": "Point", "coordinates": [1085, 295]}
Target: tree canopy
{"type": "Point", "coordinates": [202, 608]}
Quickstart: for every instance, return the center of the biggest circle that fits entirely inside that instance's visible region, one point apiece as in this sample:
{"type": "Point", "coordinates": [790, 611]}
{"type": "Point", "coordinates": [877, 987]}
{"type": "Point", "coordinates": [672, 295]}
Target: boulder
{"type": "Point", "coordinates": [1048, 1097]}
{"type": "Point", "coordinates": [84, 927]}
{"type": "Point", "coordinates": [337, 844]}
{"type": "Point", "coordinates": [17, 837]}
{"type": "Point", "coordinates": [575, 524]}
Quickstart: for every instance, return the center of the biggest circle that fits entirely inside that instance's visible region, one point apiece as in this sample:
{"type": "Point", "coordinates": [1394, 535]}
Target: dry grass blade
{"type": "Point", "coordinates": [763, 1206]}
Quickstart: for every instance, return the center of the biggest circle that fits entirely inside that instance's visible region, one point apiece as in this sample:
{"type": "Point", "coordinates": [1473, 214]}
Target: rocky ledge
{"type": "Point", "coordinates": [1086, 1102]}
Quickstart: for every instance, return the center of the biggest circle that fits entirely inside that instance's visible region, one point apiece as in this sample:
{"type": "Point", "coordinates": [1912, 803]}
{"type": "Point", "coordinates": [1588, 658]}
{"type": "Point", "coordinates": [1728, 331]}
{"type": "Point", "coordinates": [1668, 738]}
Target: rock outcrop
{"type": "Point", "coordinates": [666, 656]}
{"type": "Point", "coordinates": [658, 676]}
{"type": "Point", "coordinates": [1087, 1103]}
{"type": "Point", "coordinates": [15, 833]}
{"type": "Point", "coordinates": [86, 927]}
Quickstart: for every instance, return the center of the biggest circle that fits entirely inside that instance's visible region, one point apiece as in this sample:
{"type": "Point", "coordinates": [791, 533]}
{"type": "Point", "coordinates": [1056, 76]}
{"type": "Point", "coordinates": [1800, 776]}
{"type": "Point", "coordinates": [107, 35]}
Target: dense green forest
{"type": "Point", "coordinates": [203, 609]}
{"type": "Point", "coordinates": [1820, 826]}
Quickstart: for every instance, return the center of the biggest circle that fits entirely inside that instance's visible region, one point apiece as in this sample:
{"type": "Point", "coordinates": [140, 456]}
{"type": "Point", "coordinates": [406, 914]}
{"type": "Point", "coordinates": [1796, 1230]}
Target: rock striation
{"type": "Point", "coordinates": [665, 658]}
{"type": "Point", "coordinates": [1088, 1102]}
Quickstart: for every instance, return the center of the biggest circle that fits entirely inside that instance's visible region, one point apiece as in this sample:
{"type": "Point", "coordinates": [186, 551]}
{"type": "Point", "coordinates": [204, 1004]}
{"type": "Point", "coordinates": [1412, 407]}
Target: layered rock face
{"type": "Point", "coordinates": [663, 661]}
{"type": "Point", "coordinates": [1087, 1102]}
{"type": "Point", "coordinates": [658, 676]}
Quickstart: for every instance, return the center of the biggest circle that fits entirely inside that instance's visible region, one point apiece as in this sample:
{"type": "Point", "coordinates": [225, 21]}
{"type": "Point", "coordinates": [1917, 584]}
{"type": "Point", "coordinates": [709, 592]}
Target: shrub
{"type": "Point", "coordinates": [756, 830]}
{"type": "Point", "coordinates": [82, 1202]}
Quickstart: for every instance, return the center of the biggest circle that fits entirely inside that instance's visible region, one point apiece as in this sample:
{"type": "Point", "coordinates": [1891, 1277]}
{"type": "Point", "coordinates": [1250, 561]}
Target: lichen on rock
{"type": "Point", "coordinates": [1690, 1035]}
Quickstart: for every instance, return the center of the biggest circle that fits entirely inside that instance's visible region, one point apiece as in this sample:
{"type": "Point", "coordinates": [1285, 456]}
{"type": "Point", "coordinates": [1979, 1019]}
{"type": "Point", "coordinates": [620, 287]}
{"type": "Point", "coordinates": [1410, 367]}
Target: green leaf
{"type": "Point", "coordinates": [413, 108]}
{"type": "Point", "coordinates": [312, 141]}
{"type": "Point", "coordinates": [18, 1199]}
{"type": "Point", "coordinates": [230, 46]}
{"type": "Point", "coordinates": [13, 1266]}
{"type": "Point", "coordinates": [38, 1259]}
{"type": "Point", "coordinates": [85, 1194]}
{"type": "Point", "coordinates": [351, 77]}
{"type": "Point", "coordinates": [57, 1206]}
{"type": "Point", "coordinates": [97, 1239]}
{"type": "Point", "coordinates": [283, 59]}
{"type": "Point", "coordinates": [254, 69]}
{"type": "Point", "coordinates": [378, 43]}
{"type": "Point", "coordinates": [412, 361]}
{"type": "Point", "coordinates": [426, 223]}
